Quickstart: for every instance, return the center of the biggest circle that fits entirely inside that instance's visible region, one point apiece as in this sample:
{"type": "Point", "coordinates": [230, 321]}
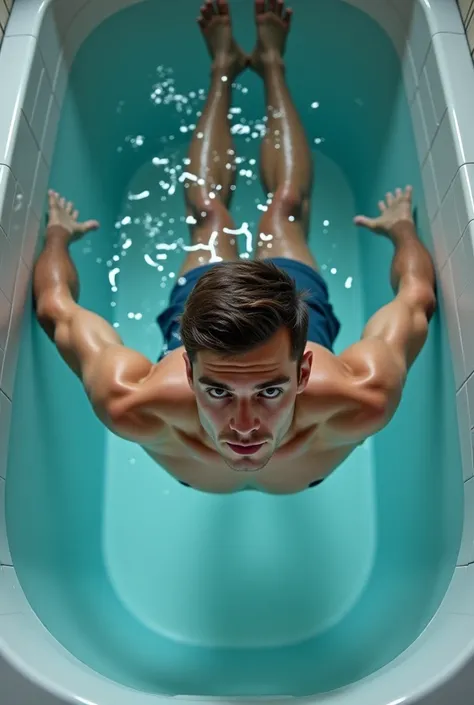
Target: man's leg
{"type": "Point", "coordinates": [287, 169]}
{"type": "Point", "coordinates": [211, 152]}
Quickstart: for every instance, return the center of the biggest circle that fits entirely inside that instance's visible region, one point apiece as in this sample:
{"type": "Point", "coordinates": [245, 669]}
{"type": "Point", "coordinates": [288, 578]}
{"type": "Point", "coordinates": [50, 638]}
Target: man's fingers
{"type": "Point", "coordinates": [88, 226]}
{"type": "Point", "coordinates": [207, 11]}
{"type": "Point", "coordinates": [359, 220]}
{"type": "Point", "coordinates": [363, 221]}
{"type": "Point", "coordinates": [52, 199]}
{"type": "Point", "coordinates": [75, 215]}
{"type": "Point", "coordinates": [382, 206]}
{"type": "Point", "coordinates": [222, 7]}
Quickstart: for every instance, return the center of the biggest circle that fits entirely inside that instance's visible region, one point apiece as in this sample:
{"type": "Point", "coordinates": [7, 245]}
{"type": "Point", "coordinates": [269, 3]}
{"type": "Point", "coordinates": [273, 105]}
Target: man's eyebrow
{"type": "Point", "coordinates": [208, 381]}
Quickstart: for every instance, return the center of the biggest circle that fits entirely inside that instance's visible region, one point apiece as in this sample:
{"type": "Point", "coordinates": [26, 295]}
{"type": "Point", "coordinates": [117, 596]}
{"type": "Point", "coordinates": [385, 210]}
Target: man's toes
{"type": "Point", "coordinates": [206, 13]}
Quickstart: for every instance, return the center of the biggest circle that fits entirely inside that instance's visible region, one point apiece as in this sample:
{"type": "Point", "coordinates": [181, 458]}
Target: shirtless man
{"type": "Point", "coordinates": [248, 393]}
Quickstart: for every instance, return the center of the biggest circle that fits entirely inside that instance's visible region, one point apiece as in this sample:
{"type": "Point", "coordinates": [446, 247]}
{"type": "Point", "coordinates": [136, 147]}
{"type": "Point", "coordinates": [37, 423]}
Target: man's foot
{"type": "Point", "coordinates": [273, 26]}
{"type": "Point", "coordinates": [216, 27]}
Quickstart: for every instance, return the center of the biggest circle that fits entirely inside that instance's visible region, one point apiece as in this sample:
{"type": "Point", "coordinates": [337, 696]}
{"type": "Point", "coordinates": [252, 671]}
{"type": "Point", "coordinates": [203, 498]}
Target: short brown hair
{"type": "Point", "coordinates": [238, 306]}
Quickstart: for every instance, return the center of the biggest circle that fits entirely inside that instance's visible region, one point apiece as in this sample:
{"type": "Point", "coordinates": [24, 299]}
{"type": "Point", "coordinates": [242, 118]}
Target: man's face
{"type": "Point", "coordinates": [246, 403]}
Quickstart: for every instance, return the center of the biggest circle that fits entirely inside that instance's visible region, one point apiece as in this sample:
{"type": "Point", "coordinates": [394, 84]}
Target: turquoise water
{"type": "Point", "coordinates": [169, 590]}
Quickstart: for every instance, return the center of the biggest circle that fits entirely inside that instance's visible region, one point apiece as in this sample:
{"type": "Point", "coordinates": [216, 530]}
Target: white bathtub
{"type": "Point", "coordinates": [40, 43]}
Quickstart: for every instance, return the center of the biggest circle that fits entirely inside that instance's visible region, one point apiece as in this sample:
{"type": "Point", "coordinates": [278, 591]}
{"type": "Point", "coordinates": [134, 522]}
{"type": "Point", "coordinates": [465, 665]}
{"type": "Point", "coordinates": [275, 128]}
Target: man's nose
{"type": "Point", "coordinates": [244, 420]}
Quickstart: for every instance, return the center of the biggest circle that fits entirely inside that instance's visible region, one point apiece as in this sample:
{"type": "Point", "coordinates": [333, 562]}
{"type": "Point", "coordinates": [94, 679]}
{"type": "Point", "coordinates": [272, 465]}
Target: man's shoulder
{"type": "Point", "coordinates": [171, 385]}
{"type": "Point", "coordinates": [328, 371]}
{"type": "Point", "coordinates": [142, 409]}
{"type": "Point", "coordinates": [372, 362]}
{"type": "Point", "coordinates": [354, 394]}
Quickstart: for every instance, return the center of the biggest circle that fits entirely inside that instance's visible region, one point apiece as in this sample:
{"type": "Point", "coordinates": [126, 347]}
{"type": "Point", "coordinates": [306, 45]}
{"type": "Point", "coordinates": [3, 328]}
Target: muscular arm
{"type": "Point", "coordinates": [395, 335]}
{"type": "Point", "coordinates": [89, 345]}
{"type": "Point", "coordinates": [403, 323]}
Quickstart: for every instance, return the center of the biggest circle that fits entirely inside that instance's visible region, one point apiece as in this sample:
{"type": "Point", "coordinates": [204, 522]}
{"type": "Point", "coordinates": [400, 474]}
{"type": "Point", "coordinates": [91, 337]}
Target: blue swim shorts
{"type": "Point", "coordinates": [323, 325]}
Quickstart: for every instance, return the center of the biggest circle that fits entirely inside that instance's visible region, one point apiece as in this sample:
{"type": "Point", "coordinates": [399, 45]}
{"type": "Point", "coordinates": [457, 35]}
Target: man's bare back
{"type": "Point", "coordinates": [257, 420]}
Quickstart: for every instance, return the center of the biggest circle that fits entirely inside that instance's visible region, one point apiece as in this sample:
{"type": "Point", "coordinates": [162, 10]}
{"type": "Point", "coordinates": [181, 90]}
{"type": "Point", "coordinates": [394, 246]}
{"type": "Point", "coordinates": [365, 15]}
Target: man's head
{"type": "Point", "coordinates": [245, 329]}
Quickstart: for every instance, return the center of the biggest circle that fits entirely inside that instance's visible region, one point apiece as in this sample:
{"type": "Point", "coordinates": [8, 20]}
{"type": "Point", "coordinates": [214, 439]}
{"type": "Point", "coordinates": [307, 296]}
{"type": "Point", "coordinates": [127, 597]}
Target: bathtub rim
{"type": "Point", "coordinates": [52, 31]}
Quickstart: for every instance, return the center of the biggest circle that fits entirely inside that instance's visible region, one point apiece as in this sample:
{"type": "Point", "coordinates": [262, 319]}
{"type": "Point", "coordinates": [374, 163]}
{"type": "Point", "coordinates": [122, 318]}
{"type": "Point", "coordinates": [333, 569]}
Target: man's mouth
{"type": "Point", "coordinates": [241, 449]}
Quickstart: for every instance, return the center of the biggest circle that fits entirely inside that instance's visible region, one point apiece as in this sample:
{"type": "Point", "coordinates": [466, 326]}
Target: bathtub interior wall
{"type": "Point", "coordinates": [405, 501]}
{"type": "Point", "coordinates": [47, 388]}
{"type": "Point", "coordinates": [417, 460]}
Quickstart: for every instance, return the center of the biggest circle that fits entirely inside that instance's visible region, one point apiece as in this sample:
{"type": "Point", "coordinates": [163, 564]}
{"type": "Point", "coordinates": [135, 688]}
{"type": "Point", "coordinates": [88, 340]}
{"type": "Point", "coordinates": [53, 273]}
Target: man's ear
{"type": "Point", "coordinates": [305, 371]}
{"type": "Point", "coordinates": [189, 370]}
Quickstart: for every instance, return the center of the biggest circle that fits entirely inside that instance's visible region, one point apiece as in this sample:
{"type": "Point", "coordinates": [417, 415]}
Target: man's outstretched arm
{"type": "Point", "coordinates": [89, 344]}
{"type": "Point", "coordinates": [395, 335]}
{"type": "Point", "coordinates": [403, 323]}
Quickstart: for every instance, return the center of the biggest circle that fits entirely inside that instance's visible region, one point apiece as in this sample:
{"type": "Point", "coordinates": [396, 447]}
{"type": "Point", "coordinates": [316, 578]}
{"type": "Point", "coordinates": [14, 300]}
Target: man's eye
{"type": "Point", "coordinates": [269, 393]}
{"type": "Point", "coordinates": [273, 392]}
{"type": "Point", "coordinates": [217, 393]}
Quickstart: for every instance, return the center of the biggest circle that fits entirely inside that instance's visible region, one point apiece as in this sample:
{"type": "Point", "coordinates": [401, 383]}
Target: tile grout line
{"type": "Point", "coordinates": [466, 21]}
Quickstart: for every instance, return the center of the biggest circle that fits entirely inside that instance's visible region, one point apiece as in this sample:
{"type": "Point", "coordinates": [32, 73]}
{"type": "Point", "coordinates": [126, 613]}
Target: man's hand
{"type": "Point", "coordinates": [396, 333]}
{"type": "Point", "coordinates": [63, 214]}
{"type": "Point", "coordinates": [112, 374]}
{"type": "Point", "coordinates": [394, 210]}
